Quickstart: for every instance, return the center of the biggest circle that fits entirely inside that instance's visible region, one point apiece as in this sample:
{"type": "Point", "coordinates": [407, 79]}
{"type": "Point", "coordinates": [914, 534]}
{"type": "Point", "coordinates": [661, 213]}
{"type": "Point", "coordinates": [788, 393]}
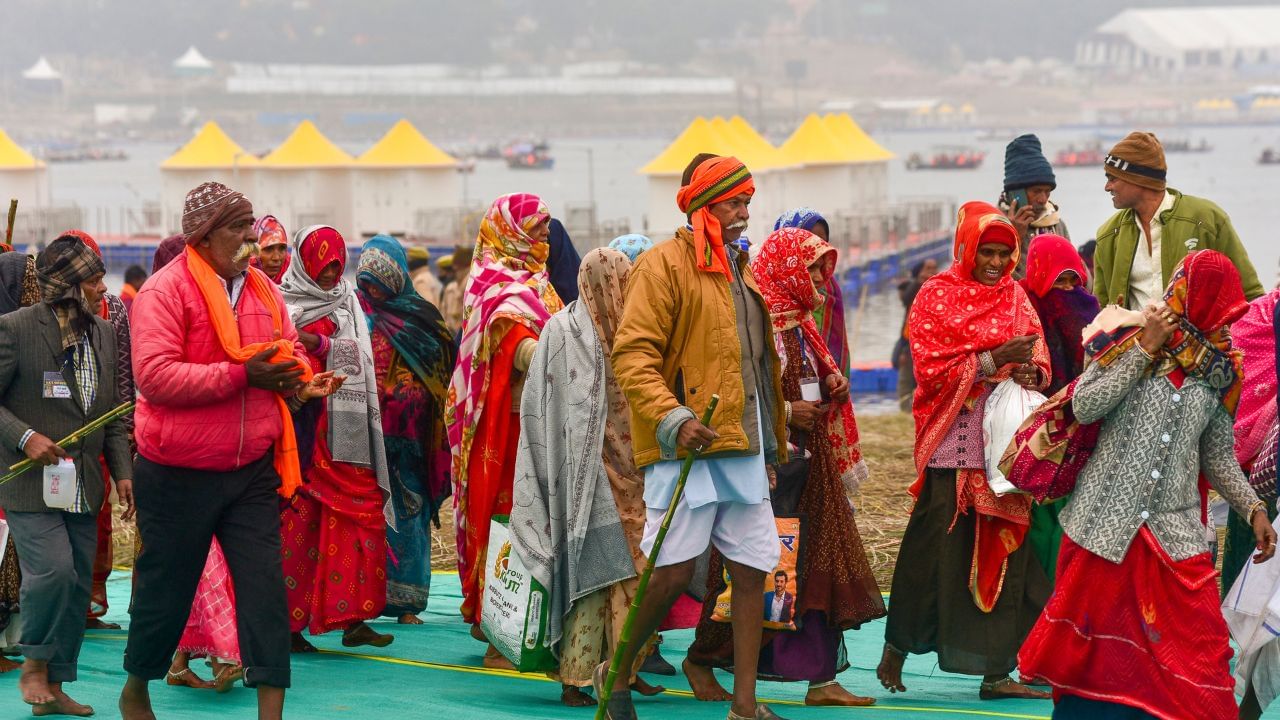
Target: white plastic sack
{"type": "Point", "coordinates": [1007, 407]}
{"type": "Point", "coordinates": [1252, 609]}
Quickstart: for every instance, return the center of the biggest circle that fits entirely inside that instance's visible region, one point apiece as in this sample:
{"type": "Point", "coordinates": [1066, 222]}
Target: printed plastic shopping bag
{"type": "Point", "coordinates": [514, 607]}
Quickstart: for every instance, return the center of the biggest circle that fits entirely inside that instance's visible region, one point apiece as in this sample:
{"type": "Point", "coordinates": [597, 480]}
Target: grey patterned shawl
{"type": "Point", "coordinates": [564, 521]}
{"type": "Point", "coordinates": [355, 419]}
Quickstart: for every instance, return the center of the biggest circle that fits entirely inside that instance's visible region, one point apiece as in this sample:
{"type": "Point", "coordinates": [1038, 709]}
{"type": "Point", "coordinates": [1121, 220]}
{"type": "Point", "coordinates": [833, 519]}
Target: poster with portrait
{"type": "Point", "coordinates": [781, 587]}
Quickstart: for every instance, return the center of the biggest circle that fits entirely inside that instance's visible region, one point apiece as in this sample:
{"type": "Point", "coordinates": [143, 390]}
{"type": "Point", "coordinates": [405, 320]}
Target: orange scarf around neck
{"type": "Point", "coordinates": [213, 288]}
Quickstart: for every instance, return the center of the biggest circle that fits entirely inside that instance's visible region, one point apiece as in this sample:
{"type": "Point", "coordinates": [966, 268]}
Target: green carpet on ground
{"type": "Point", "coordinates": [432, 671]}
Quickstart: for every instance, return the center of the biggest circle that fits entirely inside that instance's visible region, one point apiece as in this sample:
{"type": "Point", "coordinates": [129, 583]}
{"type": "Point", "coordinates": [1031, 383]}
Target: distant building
{"type": "Point", "coordinates": [1185, 39]}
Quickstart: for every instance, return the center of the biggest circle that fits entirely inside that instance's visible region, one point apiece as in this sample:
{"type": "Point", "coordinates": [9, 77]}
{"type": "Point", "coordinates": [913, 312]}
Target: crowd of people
{"type": "Point", "coordinates": [297, 429]}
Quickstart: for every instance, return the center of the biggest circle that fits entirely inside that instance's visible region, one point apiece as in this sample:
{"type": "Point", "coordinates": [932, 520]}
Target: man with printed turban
{"type": "Point", "coordinates": [696, 325]}
{"type": "Point", "coordinates": [58, 364]}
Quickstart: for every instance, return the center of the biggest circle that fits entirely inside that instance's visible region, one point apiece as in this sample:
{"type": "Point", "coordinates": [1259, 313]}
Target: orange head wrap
{"type": "Point", "coordinates": [714, 180]}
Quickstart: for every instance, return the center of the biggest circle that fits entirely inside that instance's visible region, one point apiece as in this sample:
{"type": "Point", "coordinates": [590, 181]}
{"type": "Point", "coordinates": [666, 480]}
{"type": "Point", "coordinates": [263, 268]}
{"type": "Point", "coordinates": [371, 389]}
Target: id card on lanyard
{"type": "Point", "coordinates": [810, 387]}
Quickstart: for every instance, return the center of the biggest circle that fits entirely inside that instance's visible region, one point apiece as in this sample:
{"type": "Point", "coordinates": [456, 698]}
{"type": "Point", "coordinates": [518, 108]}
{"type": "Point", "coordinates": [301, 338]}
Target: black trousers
{"type": "Point", "coordinates": [179, 512]}
{"type": "Point", "coordinates": [931, 608]}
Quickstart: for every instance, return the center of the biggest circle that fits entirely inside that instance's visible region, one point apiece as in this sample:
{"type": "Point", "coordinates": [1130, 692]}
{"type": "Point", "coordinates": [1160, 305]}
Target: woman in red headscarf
{"type": "Point", "coordinates": [1134, 627]}
{"type": "Point", "coordinates": [334, 531]}
{"type": "Point", "coordinates": [1057, 286]}
{"type": "Point", "coordinates": [964, 586]}
{"type": "Point", "coordinates": [273, 247]}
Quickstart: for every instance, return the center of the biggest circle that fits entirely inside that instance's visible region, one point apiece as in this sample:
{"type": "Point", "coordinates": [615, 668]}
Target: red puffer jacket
{"type": "Point", "coordinates": [195, 407]}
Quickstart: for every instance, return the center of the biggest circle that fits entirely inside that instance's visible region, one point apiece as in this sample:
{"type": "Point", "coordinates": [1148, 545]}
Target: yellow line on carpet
{"type": "Point", "coordinates": [676, 693]}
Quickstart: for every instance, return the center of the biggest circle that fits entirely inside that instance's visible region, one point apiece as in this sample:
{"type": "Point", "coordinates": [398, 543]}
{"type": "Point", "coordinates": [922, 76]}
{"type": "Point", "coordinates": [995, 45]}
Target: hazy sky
{"type": "Point", "coordinates": [482, 31]}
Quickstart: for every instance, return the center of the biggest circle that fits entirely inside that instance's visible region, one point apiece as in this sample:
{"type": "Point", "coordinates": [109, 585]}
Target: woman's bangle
{"type": "Point", "coordinates": [788, 406]}
{"type": "Point", "coordinates": [988, 363]}
{"type": "Point", "coordinates": [1255, 507]}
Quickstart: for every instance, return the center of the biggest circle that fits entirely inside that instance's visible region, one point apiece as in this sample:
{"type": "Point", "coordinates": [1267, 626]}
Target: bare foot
{"type": "Point", "coordinates": [135, 701]}
{"type": "Point", "coordinates": [836, 695]}
{"type": "Point", "coordinates": [34, 683]}
{"type": "Point", "coordinates": [6, 665]}
{"type": "Point", "coordinates": [99, 624]}
{"type": "Point", "coordinates": [703, 682]}
{"type": "Point", "coordinates": [574, 697]}
{"type": "Point", "coordinates": [361, 634]}
{"type": "Point", "coordinates": [409, 619]}
{"type": "Point", "coordinates": [644, 688]}
{"type": "Point", "coordinates": [62, 705]}
{"type": "Point", "coordinates": [1007, 688]}
{"type": "Point", "coordinates": [495, 660]}
{"type": "Point", "coordinates": [890, 670]}
{"type": "Point", "coordinates": [186, 677]}
{"type": "Point", "coordinates": [299, 644]}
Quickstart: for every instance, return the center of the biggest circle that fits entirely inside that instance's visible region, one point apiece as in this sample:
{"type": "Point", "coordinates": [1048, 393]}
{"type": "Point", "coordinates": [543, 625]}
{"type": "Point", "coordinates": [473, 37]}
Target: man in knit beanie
{"type": "Point", "coordinates": [1028, 181]}
{"type": "Point", "coordinates": [1156, 226]}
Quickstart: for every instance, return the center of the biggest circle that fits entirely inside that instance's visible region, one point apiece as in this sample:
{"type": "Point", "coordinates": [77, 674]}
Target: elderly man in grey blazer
{"type": "Point", "coordinates": [58, 372]}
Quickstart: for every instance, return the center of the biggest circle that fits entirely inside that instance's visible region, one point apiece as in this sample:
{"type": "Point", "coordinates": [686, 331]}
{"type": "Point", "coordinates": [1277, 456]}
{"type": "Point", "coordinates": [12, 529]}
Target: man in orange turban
{"type": "Point", "coordinates": [695, 326]}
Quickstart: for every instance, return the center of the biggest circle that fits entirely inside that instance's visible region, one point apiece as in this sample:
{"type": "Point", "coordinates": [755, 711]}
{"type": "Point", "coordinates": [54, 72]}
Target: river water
{"type": "Point", "coordinates": [1229, 175]}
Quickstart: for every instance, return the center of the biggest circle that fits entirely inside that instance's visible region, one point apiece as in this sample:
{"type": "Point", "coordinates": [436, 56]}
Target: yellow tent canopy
{"type": "Point", "coordinates": [13, 157]}
{"type": "Point", "coordinates": [860, 144]}
{"type": "Point", "coordinates": [748, 145]}
{"type": "Point", "coordinates": [307, 147]}
{"type": "Point", "coordinates": [813, 143]}
{"type": "Point", "coordinates": [210, 148]}
{"type": "Point", "coordinates": [404, 147]}
{"type": "Point", "coordinates": [698, 137]}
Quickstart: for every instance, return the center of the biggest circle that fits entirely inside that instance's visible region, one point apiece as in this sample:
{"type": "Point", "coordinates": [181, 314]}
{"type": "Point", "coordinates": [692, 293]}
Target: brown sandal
{"type": "Point", "coordinates": [186, 678]}
{"type": "Point", "coordinates": [1007, 689]}
{"type": "Point", "coordinates": [227, 677]}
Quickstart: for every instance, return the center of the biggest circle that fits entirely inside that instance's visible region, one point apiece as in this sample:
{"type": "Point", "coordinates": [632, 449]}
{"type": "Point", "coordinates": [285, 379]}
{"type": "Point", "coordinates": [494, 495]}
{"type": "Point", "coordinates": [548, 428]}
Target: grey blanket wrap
{"type": "Point", "coordinates": [564, 520]}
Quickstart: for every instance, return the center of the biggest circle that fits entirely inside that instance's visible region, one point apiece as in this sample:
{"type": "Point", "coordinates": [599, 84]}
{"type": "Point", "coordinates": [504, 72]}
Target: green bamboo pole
{"type": "Point", "coordinates": [120, 411]}
{"type": "Point", "coordinates": [602, 703]}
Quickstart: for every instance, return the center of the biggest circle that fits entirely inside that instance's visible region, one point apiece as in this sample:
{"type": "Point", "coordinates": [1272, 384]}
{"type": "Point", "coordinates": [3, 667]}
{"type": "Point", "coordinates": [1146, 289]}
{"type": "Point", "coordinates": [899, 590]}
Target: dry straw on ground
{"type": "Point", "coordinates": [883, 503]}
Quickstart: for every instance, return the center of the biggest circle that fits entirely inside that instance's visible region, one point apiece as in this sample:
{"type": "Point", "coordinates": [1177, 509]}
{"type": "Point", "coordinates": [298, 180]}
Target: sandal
{"type": "Point", "coordinates": [227, 677]}
{"type": "Point", "coordinates": [1006, 688]}
{"type": "Point", "coordinates": [186, 678]}
{"type": "Point", "coordinates": [619, 706]}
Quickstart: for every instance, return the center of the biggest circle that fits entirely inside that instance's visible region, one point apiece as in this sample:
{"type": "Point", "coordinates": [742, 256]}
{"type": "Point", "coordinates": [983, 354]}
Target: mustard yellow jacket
{"type": "Point", "coordinates": [678, 345]}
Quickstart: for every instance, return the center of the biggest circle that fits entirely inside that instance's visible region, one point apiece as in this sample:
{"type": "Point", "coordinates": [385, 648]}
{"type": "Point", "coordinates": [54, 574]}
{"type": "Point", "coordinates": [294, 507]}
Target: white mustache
{"type": "Point", "coordinates": [741, 224]}
{"type": "Point", "coordinates": [247, 250]}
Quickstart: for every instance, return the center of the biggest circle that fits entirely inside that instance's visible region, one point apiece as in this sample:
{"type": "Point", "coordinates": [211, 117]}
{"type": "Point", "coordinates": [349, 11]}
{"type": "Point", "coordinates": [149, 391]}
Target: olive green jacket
{"type": "Point", "coordinates": [1191, 224]}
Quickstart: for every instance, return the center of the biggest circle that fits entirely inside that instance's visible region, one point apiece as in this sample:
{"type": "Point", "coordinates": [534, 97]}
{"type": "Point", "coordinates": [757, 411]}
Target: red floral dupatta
{"type": "Point", "coordinates": [782, 270]}
{"type": "Point", "coordinates": [953, 319]}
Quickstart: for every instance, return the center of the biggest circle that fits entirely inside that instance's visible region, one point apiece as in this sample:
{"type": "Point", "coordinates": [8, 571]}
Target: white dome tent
{"type": "Point", "coordinates": [193, 62]}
